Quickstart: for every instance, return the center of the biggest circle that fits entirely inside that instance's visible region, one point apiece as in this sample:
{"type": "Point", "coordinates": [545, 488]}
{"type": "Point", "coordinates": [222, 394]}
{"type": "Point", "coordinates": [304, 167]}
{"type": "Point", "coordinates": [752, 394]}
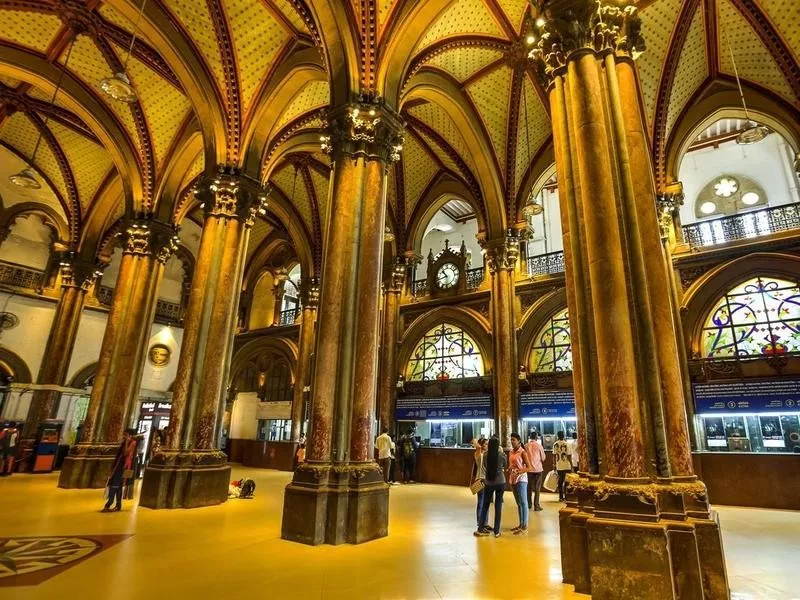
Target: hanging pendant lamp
{"type": "Point", "coordinates": [118, 86]}
{"type": "Point", "coordinates": [753, 132]}
{"type": "Point", "coordinates": [26, 178]}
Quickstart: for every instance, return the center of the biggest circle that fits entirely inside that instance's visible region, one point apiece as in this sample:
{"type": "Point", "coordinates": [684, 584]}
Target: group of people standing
{"type": "Point", "coordinates": [525, 470]}
{"type": "Point", "coordinates": [389, 453]}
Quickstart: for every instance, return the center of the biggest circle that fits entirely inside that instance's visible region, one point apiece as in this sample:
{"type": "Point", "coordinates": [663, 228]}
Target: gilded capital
{"type": "Point", "coordinates": [150, 238]}
{"type": "Point", "coordinates": [501, 254]}
{"type": "Point", "coordinates": [309, 292]}
{"type": "Point", "coordinates": [572, 26]}
{"type": "Point", "coordinates": [366, 128]}
{"type": "Point", "coordinates": [230, 195]}
{"type": "Point", "coordinates": [77, 272]}
{"type": "Point", "coordinates": [399, 273]}
{"type": "Point", "coordinates": [669, 203]}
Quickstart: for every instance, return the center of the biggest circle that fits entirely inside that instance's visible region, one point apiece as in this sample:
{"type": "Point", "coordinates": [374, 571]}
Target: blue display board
{"type": "Point", "coordinates": [446, 407]}
{"type": "Point", "coordinates": [547, 404]}
{"type": "Point", "coordinates": [758, 396]}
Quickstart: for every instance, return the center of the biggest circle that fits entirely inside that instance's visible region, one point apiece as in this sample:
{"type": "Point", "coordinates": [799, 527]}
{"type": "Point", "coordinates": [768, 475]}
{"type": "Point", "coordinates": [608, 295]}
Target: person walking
{"type": "Point", "coordinates": [384, 445]}
{"type": "Point", "coordinates": [563, 460]}
{"type": "Point", "coordinates": [123, 470]}
{"type": "Point", "coordinates": [479, 474]}
{"type": "Point", "coordinates": [537, 457]}
{"type": "Point", "coordinates": [518, 466]}
{"type": "Point", "coordinates": [495, 485]}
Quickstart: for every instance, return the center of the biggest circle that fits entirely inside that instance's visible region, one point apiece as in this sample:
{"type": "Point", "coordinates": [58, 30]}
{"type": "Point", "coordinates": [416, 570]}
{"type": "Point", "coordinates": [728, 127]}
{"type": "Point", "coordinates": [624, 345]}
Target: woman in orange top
{"type": "Point", "coordinates": [518, 466]}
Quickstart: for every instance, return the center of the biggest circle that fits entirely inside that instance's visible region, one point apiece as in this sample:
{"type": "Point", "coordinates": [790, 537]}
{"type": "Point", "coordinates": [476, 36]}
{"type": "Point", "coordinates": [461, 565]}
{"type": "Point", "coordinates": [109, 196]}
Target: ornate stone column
{"type": "Point", "coordinates": [501, 258]}
{"type": "Point", "coordinates": [147, 245]}
{"type": "Point", "coordinates": [190, 470]}
{"type": "Point", "coordinates": [77, 275]}
{"type": "Point", "coordinates": [387, 388]}
{"type": "Point", "coordinates": [278, 291]}
{"type": "Point", "coordinates": [637, 492]}
{"type": "Point", "coordinates": [339, 495]}
{"type": "Point", "coordinates": [309, 298]}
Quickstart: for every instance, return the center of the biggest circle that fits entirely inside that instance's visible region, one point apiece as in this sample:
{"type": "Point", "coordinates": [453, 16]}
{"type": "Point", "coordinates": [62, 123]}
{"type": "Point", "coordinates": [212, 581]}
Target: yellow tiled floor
{"type": "Point", "coordinates": [235, 550]}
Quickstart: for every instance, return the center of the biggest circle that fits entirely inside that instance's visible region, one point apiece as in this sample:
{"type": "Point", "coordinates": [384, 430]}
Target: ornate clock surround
{"type": "Point", "coordinates": [447, 256]}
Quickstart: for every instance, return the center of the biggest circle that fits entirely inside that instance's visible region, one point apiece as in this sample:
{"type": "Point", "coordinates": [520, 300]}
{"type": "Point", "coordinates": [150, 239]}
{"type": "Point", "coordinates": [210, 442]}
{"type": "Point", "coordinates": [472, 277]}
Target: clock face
{"type": "Point", "coordinates": [447, 276]}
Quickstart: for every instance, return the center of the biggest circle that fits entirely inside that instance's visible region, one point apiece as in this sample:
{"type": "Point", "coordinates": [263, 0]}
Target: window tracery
{"type": "Point", "coordinates": [445, 352]}
{"type": "Point", "coordinates": [552, 346]}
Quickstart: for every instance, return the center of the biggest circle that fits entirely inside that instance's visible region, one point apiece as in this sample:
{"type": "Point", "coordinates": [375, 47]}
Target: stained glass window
{"type": "Point", "coordinates": [757, 318]}
{"type": "Point", "coordinates": [552, 346]}
{"type": "Point", "coordinates": [445, 352]}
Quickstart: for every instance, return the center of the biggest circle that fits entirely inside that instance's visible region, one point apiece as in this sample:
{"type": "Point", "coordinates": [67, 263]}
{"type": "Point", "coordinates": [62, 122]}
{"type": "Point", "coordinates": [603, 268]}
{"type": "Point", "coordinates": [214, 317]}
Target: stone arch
{"type": "Point", "coordinates": [283, 348]}
{"type": "Point", "coordinates": [50, 217]}
{"type": "Point", "coordinates": [84, 376]}
{"type": "Point", "coordinates": [710, 287]}
{"type": "Point", "coordinates": [15, 366]}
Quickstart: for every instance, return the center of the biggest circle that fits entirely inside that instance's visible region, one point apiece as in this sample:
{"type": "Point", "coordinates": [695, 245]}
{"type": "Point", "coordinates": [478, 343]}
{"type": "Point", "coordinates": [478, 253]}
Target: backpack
{"type": "Point", "coordinates": [248, 488]}
{"type": "Point", "coordinates": [408, 446]}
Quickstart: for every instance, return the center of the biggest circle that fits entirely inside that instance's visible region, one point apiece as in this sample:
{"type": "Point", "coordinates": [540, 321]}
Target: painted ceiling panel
{"type": "Point", "coordinates": [419, 168]}
{"type": "Point", "coordinates": [464, 61]}
{"type": "Point", "coordinates": [448, 162]}
{"type": "Point", "coordinates": [31, 30]}
{"type": "Point", "coordinates": [284, 179]}
{"type": "Point", "coordinates": [321, 190]}
{"type": "Point", "coordinates": [89, 162]}
{"type": "Point", "coordinates": [753, 60]}
{"type": "Point", "coordinates": [786, 18]}
{"type": "Point", "coordinates": [692, 69]}
{"type": "Point", "coordinates": [658, 22]}
{"type": "Point", "coordinates": [491, 96]}
{"type": "Point", "coordinates": [258, 234]}
{"type": "Point", "coordinates": [437, 119]}
{"type": "Point", "coordinates": [315, 94]}
{"type": "Point", "coordinates": [391, 189]}
{"type": "Point", "coordinates": [291, 14]}
{"type": "Point", "coordinates": [165, 107]}
{"type": "Point", "coordinates": [538, 130]}
{"type": "Point", "coordinates": [515, 11]}
{"type": "Point", "coordinates": [20, 133]}
{"type": "Point", "coordinates": [462, 17]}
{"type": "Point", "coordinates": [197, 166]}
{"type": "Point", "coordinates": [257, 38]}
{"type": "Point", "coordinates": [196, 19]}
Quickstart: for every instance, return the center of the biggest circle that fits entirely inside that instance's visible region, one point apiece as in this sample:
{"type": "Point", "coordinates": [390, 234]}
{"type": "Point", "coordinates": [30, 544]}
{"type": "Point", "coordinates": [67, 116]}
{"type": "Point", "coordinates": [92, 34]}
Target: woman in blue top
{"type": "Point", "coordinates": [494, 484]}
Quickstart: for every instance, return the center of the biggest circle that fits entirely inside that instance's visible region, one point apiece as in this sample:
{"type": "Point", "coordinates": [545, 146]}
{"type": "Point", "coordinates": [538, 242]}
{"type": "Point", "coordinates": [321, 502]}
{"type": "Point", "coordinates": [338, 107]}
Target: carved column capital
{"type": "Point", "coordinates": [309, 292]}
{"type": "Point", "coordinates": [147, 237]}
{"type": "Point", "coordinates": [501, 254]}
{"type": "Point", "coordinates": [230, 195]}
{"type": "Point", "coordinates": [397, 278]}
{"type": "Point", "coordinates": [78, 272]}
{"type": "Point", "coordinates": [366, 128]}
{"type": "Point", "coordinates": [669, 203]}
{"type": "Point", "coordinates": [573, 26]}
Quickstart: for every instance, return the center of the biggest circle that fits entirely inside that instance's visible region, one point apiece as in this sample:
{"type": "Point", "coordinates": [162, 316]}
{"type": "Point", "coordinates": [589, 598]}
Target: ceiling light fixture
{"type": "Point", "coordinates": [118, 86]}
{"type": "Point", "coordinates": [26, 178]}
{"type": "Point", "coordinates": [752, 132]}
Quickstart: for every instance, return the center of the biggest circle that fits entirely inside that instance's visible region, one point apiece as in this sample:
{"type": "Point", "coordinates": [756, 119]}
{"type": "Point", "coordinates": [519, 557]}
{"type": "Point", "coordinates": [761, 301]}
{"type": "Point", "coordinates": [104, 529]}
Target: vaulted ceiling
{"type": "Point", "coordinates": [247, 82]}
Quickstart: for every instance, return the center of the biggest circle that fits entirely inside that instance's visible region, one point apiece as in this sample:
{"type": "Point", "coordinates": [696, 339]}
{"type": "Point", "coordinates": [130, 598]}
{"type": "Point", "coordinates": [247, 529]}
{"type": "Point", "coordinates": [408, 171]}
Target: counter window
{"type": "Point", "coordinates": [548, 429]}
{"type": "Point", "coordinates": [748, 433]}
{"type": "Point", "coordinates": [448, 434]}
{"type": "Point", "coordinates": [274, 430]}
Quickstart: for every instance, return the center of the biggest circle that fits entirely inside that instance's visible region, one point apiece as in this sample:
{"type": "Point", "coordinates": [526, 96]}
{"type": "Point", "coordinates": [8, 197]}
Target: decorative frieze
{"type": "Point", "coordinates": [366, 128]}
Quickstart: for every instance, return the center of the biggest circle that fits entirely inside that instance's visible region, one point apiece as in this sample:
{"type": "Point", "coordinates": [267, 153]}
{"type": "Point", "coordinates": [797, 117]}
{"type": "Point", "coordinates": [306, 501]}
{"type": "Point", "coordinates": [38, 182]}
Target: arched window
{"type": "Point", "coordinates": [552, 346]}
{"type": "Point", "coordinates": [758, 317]}
{"type": "Point", "coordinates": [445, 352]}
{"type": "Point", "coordinates": [278, 383]}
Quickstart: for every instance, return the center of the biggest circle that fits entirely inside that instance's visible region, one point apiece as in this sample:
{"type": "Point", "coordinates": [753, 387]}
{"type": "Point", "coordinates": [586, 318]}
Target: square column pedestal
{"type": "Point", "coordinates": [87, 466]}
{"type": "Point", "coordinates": [646, 541]}
{"type": "Point", "coordinates": [328, 503]}
{"type": "Point", "coordinates": [188, 479]}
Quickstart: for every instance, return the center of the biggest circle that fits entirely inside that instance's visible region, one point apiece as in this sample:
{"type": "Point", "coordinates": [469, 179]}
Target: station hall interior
{"type": "Point", "coordinates": [274, 274]}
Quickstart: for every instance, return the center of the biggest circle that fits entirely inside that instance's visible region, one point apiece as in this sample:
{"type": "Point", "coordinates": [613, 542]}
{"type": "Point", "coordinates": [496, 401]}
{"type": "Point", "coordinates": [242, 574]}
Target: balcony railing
{"type": "Point", "coordinates": [741, 227]}
{"type": "Point", "coordinates": [288, 317]}
{"type": "Point", "coordinates": [21, 277]}
{"type": "Point", "coordinates": [166, 312]}
{"type": "Point", "coordinates": [551, 263]}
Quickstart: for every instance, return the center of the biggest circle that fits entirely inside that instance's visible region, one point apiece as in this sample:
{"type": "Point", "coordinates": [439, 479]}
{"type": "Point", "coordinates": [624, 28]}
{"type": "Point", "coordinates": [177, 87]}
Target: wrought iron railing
{"type": "Point", "coordinates": [166, 312]}
{"type": "Point", "coordinates": [551, 263]}
{"type": "Point", "coordinates": [21, 277]}
{"type": "Point", "coordinates": [474, 278]}
{"type": "Point", "coordinates": [744, 226]}
{"type": "Point", "coordinates": [288, 317]}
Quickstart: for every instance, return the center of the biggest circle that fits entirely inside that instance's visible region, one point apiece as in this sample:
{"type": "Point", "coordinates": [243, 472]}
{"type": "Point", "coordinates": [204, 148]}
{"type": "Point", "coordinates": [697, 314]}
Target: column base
{"type": "Point", "coordinates": [336, 504]}
{"type": "Point", "coordinates": [87, 466]}
{"type": "Point", "coordinates": [654, 541]}
{"type": "Point", "coordinates": [188, 479]}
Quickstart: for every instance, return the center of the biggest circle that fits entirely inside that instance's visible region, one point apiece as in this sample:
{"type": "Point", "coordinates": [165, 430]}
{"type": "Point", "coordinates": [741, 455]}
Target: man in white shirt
{"type": "Point", "coordinates": [573, 451]}
{"type": "Point", "coordinates": [384, 445]}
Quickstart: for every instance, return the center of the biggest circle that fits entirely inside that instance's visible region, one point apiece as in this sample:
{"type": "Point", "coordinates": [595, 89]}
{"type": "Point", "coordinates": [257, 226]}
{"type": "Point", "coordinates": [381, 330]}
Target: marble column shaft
{"type": "Point", "coordinates": [501, 258]}
{"type": "Point", "coordinates": [309, 293]}
{"type": "Point", "coordinates": [389, 369]}
{"type": "Point", "coordinates": [147, 245]}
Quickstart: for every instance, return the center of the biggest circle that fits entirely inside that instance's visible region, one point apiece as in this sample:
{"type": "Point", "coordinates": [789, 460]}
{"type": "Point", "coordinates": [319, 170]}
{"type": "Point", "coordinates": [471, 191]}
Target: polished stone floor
{"type": "Point", "coordinates": [234, 550]}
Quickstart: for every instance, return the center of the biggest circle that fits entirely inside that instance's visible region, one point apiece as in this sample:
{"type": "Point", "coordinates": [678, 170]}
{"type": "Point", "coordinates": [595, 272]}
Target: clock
{"type": "Point", "coordinates": [447, 276]}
